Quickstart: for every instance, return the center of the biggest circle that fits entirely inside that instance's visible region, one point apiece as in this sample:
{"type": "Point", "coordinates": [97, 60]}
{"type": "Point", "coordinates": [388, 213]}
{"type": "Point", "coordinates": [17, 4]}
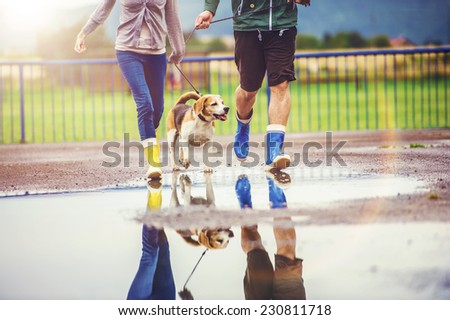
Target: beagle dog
{"type": "Point", "coordinates": [217, 238]}
{"type": "Point", "coordinates": [192, 125]}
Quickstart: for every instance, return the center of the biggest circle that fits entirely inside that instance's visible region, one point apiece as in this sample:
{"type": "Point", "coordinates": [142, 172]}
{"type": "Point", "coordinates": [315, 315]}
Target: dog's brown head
{"type": "Point", "coordinates": [215, 238]}
{"type": "Point", "coordinates": [211, 107]}
{"type": "Point", "coordinates": [209, 238]}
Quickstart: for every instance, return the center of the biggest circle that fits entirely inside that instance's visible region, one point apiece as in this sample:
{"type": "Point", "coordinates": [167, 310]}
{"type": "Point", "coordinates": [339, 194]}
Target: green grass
{"type": "Point", "coordinates": [74, 114]}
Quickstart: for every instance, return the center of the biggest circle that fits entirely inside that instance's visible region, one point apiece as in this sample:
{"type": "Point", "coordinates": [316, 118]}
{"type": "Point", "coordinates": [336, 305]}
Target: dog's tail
{"type": "Point", "coordinates": [188, 96]}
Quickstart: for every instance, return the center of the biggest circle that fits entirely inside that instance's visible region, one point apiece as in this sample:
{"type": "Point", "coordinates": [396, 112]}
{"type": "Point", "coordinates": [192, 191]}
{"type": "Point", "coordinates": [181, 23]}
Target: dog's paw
{"type": "Point", "coordinates": [208, 170]}
{"type": "Point", "coordinates": [185, 164]}
{"type": "Point", "coordinates": [185, 181]}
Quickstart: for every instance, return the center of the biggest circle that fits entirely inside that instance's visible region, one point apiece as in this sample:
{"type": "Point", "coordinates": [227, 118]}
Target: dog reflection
{"type": "Point", "coordinates": [262, 281]}
{"type": "Point", "coordinates": [217, 238]}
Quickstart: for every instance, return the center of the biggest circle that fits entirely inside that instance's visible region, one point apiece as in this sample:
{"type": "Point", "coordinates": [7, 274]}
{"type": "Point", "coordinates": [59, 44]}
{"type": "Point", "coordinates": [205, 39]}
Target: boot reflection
{"type": "Point", "coordinates": [154, 278]}
{"type": "Point", "coordinates": [261, 280]}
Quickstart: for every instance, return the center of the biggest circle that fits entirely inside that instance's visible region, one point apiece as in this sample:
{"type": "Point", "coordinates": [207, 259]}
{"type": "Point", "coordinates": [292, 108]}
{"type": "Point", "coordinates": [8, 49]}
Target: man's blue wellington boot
{"type": "Point", "coordinates": [241, 138]}
{"type": "Point", "coordinates": [274, 147]}
{"type": "Point", "coordinates": [243, 193]}
{"type": "Point", "coordinates": [277, 198]}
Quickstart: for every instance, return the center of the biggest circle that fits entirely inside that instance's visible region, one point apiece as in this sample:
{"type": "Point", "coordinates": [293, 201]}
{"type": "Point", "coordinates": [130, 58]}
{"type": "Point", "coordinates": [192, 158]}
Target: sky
{"type": "Point", "coordinates": [21, 21]}
{"type": "Point", "coordinates": [26, 14]}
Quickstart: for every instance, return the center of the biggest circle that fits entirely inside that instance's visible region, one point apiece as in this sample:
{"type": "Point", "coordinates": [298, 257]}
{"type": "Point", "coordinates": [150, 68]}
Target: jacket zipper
{"type": "Point", "coordinates": [270, 16]}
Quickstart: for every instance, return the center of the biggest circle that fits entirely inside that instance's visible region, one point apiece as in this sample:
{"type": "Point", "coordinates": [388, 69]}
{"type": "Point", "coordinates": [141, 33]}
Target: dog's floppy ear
{"type": "Point", "coordinates": [199, 105]}
{"type": "Point", "coordinates": [204, 240]}
{"type": "Point", "coordinates": [187, 236]}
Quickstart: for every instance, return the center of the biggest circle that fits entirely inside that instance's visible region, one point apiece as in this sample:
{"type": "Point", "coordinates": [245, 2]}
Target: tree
{"type": "Point", "coordinates": [356, 40]}
{"type": "Point", "coordinates": [216, 45]}
{"type": "Point", "coordinates": [326, 41]}
{"type": "Point", "coordinates": [307, 41]}
{"type": "Point", "coordinates": [344, 39]}
{"type": "Point", "coordinates": [379, 41]}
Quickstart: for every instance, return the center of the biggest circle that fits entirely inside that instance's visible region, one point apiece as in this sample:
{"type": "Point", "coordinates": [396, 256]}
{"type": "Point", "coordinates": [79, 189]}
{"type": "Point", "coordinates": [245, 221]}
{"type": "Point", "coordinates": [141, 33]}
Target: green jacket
{"type": "Point", "coordinates": [275, 14]}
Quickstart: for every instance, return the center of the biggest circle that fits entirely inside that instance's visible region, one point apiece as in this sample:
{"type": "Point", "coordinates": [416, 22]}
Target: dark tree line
{"type": "Point", "coordinates": [341, 39]}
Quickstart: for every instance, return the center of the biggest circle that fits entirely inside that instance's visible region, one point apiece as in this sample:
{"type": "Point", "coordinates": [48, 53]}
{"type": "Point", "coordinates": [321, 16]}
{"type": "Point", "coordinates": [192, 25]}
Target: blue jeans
{"type": "Point", "coordinates": [154, 278]}
{"type": "Point", "coordinates": [146, 77]}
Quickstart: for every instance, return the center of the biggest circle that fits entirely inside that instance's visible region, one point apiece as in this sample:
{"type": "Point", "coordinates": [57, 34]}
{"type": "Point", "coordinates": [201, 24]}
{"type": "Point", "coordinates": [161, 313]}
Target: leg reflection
{"type": "Point", "coordinates": [261, 280]}
{"type": "Point", "coordinates": [288, 275]}
{"type": "Point", "coordinates": [154, 278]}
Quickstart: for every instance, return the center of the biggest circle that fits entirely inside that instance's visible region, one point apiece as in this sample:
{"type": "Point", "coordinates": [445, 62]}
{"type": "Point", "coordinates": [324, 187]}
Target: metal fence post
{"type": "Point", "coordinates": [22, 105]}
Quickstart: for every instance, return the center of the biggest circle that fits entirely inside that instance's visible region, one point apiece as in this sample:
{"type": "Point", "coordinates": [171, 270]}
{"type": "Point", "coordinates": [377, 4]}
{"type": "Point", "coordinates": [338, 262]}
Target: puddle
{"type": "Point", "coordinates": [88, 245]}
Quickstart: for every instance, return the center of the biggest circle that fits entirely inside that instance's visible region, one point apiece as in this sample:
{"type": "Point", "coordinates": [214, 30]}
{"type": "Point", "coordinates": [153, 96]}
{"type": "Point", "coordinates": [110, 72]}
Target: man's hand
{"type": "Point", "coordinates": [80, 46]}
{"type": "Point", "coordinates": [203, 20]}
{"type": "Point", "coordinates": [303, 2]}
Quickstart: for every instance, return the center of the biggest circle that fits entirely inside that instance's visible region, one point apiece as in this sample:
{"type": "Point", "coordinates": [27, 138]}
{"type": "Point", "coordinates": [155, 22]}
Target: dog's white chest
{"type": "Point", "coordinates": [196, 134]}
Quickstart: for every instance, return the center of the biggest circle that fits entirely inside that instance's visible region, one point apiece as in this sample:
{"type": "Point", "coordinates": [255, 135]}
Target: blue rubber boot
{"type": "Point", "coordinates": [241, 138]}
{"type": "Point", "coordinates": [243, 193]}
{"type": "Point", "coordinates": [277, 198]}
{"type": "Point", "coordinates": [275, 158]}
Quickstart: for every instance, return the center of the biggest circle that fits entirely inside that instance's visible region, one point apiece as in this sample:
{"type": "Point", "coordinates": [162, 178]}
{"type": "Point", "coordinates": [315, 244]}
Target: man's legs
{"type": "Point", "coordinates": [256, 53]}
{"type": "Point", "coordinates": [279, 49]}
{"type": "Point", "coordinates": [280, 104]}
{"type": "Point", "coordinates": [279, 110]}
{"type": "Point", "coordinates": [249, 58]}
{"type": "Point", "coordinates": [244, 104]}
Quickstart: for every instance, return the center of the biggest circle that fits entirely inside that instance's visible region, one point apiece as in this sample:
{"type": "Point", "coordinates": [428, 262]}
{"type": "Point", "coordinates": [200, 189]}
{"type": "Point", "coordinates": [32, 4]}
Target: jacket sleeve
{"type": "Point", "coordinates": [174, 29]}
{"type": "Point", "coordinates": [98, 16]}
{"type": "Point", "coordinates": [211, 5]}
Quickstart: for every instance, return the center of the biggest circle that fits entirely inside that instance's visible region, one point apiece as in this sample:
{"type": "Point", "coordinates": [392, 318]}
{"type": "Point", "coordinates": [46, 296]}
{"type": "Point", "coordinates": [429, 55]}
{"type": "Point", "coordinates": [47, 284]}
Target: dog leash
{"type": "Point", "coordinates": [186, 78]}
{"type": "Point", "coordinates": [195, 267]}
{"type": "Point", "coordinates": [184, 290]}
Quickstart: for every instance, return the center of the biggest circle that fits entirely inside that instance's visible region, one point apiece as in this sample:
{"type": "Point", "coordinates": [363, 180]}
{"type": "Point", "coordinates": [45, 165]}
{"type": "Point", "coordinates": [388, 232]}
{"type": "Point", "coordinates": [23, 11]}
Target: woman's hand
{"type": "Point", "coordinates": [80, 45]}
{"type": "Point", "coordinates": [175, 58]}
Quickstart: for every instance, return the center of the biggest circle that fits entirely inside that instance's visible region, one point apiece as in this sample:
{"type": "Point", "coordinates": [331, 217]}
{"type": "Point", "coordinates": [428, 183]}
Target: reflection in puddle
{"type": "Point", "coordinates": [89, 245]}
{"type": "Point", "coordinates": [309, 188]}
{"type": "Point", "coordinates": [211, 238]}
{"type": "Point", "coordinates": [262, 280]}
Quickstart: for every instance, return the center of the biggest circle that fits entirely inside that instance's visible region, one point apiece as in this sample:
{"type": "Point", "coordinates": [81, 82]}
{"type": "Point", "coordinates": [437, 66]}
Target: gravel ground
{"type": "Point", "coordinates": [421, 154]}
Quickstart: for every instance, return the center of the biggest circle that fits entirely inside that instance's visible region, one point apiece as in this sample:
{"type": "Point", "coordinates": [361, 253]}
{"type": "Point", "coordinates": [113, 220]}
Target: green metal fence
{"type": "Point", "coordinates": [88, 100]}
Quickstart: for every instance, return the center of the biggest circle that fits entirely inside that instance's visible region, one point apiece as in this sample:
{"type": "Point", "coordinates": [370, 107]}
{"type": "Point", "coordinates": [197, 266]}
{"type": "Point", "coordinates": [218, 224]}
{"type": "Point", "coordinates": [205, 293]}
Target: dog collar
{"type": "Point", "coordinates": [201, 116]}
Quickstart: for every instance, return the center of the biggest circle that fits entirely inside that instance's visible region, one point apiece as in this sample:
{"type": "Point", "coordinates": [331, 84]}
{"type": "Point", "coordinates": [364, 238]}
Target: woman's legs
{"type": "Point", "coordinates": [145, 75]}
{"type": "Point", "coordinates": [155, 76]}
{"type": "Point", "coordinates": [142, 285]}
{"type": "Point", "coordinates": [163, 282]}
